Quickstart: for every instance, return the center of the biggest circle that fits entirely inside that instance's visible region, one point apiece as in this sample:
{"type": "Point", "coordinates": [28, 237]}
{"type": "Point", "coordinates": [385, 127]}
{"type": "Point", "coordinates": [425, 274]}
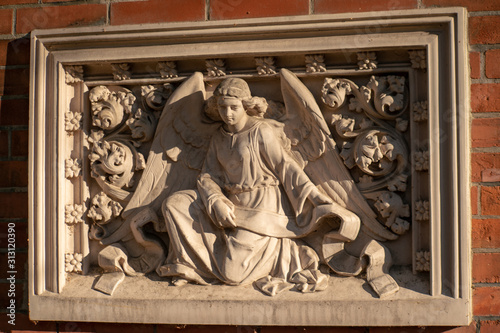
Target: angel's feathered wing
{"type": "Point", "coordinates": [312, 143]}
{"type": "Point", "coordinates": [179, 147]}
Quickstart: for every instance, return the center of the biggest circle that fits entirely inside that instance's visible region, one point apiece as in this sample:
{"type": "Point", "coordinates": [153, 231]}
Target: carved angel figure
{"type": "Point", "coordinates": [251, 193]}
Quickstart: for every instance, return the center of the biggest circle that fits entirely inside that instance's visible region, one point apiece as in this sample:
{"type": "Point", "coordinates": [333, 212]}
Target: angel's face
{"type": "Point", "coordinates": [231, 110]}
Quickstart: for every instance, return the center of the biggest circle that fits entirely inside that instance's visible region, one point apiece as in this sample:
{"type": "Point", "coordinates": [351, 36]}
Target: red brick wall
{"type": "Point", "coordinates": [19, 17]}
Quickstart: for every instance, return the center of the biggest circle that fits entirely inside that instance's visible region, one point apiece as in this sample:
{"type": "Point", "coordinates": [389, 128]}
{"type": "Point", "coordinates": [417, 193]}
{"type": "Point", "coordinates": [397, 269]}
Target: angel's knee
{"type": "Point", "coordinates": [179, 203]}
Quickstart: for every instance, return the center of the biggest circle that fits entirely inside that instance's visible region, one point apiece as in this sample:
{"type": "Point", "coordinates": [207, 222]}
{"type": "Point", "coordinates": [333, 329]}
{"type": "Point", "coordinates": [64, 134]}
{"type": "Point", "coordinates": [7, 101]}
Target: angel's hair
{"type": "Point", "coordinates": [237, 88]}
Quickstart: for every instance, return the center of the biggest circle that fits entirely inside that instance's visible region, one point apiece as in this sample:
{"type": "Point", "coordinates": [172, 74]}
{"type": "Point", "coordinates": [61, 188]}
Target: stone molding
{"type": "Point", "coordinates": [408, 69]}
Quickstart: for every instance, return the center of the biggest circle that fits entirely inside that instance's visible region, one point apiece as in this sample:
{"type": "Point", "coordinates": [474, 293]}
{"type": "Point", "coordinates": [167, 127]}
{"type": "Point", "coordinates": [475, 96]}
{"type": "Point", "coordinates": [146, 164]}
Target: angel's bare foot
{"type": "Point", "coordinates": [179, 282]}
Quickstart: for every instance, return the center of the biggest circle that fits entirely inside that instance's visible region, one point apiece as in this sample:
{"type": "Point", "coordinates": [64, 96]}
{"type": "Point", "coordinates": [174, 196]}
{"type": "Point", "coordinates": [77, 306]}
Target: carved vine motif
{"type": "Point", "coordinates": [103, 209]}
{"type": "Point", "coordinates": [368, 123]}
{"type": "Point", "coordinates": [123, 120]}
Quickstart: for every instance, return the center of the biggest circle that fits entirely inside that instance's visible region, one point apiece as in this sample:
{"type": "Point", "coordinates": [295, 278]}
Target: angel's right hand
{"type": "Point", "coordinates": [224, 215]}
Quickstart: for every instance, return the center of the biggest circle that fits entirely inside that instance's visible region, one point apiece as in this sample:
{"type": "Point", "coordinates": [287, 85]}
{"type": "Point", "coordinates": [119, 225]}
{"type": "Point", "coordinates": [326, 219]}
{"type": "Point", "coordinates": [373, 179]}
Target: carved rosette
{"type": "Point", "coordinates": [73, 74]}
{"type": "Point", "coordinates": [73, 167]}
{"type": "Point", "coordinates": [73, 214]}
{"type": "Point", "coordinates": [418, 59]}
{"type": "Point", "coordinates": [167, 69]}
{"type": "Point", "coordinates": [423, 261]}
{"type": "Point", "coordinates": [121, 71]}
{"type": "Point", "coordinates": [215, 67]}
{"type": "Point", "coordinates": [73, 262]}
{"type": "Point", "coordinates": [422, 210]}
{"type": "Point", "coordinates": [265, 65]}
{"type": "Point", "coordinates": [421, 160]}
{"type": "Point", "coordinates": [367, 60]}
{"type": "Point", "coordinates": [420, 111]}
{"type": "Point", "coordinates": [72, 121]}
{"type": "Point", "coordinates": [315, 63]}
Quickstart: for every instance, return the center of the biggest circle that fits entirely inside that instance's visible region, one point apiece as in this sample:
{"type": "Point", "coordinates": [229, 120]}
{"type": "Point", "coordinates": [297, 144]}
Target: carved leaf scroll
{"type": "Point", "coordinates": [368, 123]}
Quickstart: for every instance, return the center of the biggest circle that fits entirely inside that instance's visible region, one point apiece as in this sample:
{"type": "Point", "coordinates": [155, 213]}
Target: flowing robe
{"type": "Point", "coordinates": [253, 172]}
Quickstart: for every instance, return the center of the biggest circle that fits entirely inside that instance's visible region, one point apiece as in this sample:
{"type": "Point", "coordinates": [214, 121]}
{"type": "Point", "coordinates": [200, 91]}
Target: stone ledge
{"type": "Point", "coordinates": [159, 302]}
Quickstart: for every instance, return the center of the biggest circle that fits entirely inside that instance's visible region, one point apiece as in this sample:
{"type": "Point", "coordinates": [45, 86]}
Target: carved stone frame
{"type": "Point", "coordinates": [440, 32]}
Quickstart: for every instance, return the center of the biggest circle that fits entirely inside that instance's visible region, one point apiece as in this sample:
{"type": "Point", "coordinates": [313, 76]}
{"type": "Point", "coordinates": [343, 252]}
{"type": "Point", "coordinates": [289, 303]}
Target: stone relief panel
{"type": "Point", "coordinates": [343, 187]}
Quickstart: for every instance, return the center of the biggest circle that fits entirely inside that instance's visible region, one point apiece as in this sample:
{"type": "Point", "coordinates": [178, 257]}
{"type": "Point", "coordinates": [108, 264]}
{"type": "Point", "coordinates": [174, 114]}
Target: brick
{"type": "Point", "coordinates": [154, 11]}
{"type": "Point", "coordinates": [472, 5]}
{"type": "Point", "coordinates": [485, 132]}
{"type": "Point", "coordinates": [20, 233]}
{"type": "Point", "coordinates": [4, 143]}
{"type": "Point", "coordinates": [485, 267]}
{"type": "Point", "coordinates": [280, 329]}
{"type": "Point", "coordinates": [76, 327]}
{"type": "Point", "coordinates": [483, 29]}
{"type": "Point", "coordinates": [21, 259]}
{"type": "Point", "coordinates": [6, 16]}
{"type": "Point", "coordinates": [342, 6]}
{"type": "Point", "coordinates": [204, 329]}
{"type": "Point", "coordinates": [15, 52]}
{"type": "Point", "coordinates": [490, 326]}
{"type": "Point", "coordinates": [14, 81]}
{"type": "Point", "coordinates": [484, 165]}
{"type": "Point", "coordinates": [16, 2]}
{"type": "Point", "coordinates": [475, 65]}
{"type": "Point", "coordinates": [492, 59]}
{"type": "Point", "coordinates": [19, 144]}
{"type": "Point", "coordinates": [14, 173]}
{"type": "Point", "coordinates": [13, 205]}
{"type": "Point", "coordinates": [486, 301]}
{"type": "Point", "coordinates": [490, 203]}
{"type": "Point", "coordinates": [474, 202]}
{"type": "Point", "coordinates": [235, 9]}
{"type": "Point", "coordinates": [17, 289]}
{"type": "Point", "coordinates": [60, 16]}
{"type": "Point", "coordinates": [486, 233]}
{"type": "Point", "coordinates": [429, 329]}
{"type": "Point", "coordinates": [14, 112]}
{"type": "Point", "coordinates": [485, 97]}
{"type": "Point", "coordinates": [120, 328]}
{"type": "Point", "coordinates": [25, 325]}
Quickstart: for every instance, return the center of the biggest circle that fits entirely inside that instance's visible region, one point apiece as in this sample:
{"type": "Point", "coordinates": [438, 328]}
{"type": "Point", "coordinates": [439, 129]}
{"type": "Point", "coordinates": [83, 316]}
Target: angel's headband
{"type": "Point", "coordinates": [233, 87]}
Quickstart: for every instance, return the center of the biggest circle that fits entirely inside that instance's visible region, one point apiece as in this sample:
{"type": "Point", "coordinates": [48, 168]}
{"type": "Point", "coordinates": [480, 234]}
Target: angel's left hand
{"type": "Point", "coordinates": [319, 198]}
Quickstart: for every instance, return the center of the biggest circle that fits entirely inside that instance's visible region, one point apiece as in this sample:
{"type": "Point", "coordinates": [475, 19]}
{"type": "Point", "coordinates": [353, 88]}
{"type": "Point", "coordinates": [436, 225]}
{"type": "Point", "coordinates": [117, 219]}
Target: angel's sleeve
{"type": "Point", "coordinates": [295, 182]}
{"type": "Point", "coordinates": [210, 180]}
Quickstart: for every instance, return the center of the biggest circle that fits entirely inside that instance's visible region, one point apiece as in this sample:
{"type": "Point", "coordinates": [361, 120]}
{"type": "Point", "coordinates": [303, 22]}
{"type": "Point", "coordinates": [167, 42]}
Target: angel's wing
{"type": "Point", "coordinates": [179, 147]}
{"type": "Point", "coordinates": [311, 140]}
